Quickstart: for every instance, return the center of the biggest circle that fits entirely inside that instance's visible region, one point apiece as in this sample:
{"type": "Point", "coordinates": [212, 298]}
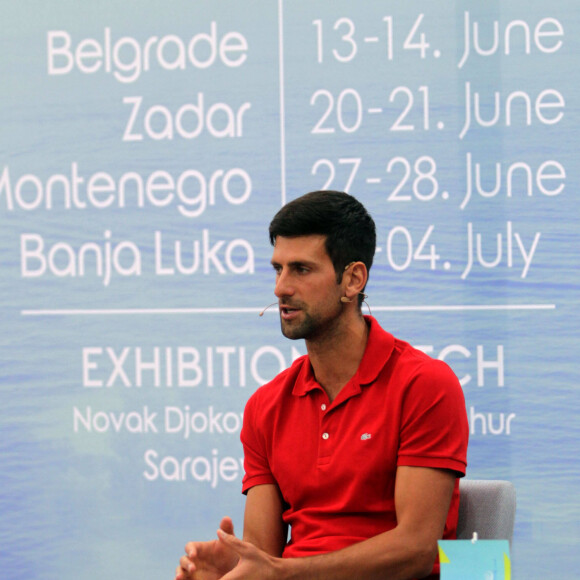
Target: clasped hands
{"type": "Point", "coordinates": [227, 558]}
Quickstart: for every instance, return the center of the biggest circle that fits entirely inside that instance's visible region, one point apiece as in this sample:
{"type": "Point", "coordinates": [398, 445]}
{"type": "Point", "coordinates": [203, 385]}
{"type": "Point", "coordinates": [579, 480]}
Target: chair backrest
{"type": "Point", "coordinates": [487, 507]}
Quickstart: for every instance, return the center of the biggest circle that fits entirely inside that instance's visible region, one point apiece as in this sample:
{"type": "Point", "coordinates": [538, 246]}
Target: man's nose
{"type": "Point", "coordinates": [283, 286]}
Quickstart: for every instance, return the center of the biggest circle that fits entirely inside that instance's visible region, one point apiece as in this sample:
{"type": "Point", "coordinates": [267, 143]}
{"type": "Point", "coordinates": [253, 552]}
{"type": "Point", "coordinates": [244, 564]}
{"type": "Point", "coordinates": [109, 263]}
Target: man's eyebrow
{"type": "Point", "coordinates": [295, 263]}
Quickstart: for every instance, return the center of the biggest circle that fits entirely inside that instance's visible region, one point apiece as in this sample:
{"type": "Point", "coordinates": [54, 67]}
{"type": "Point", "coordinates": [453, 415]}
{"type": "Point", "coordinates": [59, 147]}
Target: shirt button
{"type": "Point", "coordinates": [325, 435]}
{"type": "Point", "coordinates": [323, 407]}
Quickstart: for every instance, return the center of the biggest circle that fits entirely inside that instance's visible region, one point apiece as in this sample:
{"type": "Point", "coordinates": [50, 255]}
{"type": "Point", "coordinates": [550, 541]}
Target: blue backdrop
{"type": "Point", "coordinates": [145, 147]}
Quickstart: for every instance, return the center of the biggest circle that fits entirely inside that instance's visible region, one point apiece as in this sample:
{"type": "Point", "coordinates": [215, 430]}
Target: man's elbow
{"type": "Point", "coordinates": [424, 559]}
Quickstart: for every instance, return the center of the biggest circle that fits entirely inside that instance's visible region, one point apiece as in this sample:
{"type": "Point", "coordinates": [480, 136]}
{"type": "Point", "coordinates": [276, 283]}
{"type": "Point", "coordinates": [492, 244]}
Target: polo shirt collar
{"type": "Point", "coordinates": [380, 345]}
{"type": "Point", "coordinates": [379, 348]}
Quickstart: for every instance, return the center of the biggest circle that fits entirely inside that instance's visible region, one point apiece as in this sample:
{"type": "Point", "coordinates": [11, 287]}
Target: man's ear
{"type": "Point", "coordinates": [354, 279]}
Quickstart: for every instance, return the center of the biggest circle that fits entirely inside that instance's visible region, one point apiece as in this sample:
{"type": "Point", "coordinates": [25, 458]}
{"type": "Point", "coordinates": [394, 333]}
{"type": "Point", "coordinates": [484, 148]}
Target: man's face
{"type": "Point", "coordinates": [306, 287]}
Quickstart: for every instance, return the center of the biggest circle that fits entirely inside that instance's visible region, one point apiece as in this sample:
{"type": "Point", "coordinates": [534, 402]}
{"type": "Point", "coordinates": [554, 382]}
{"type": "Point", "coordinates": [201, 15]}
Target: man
{"type": "Point", "coordinates": [356, 447]}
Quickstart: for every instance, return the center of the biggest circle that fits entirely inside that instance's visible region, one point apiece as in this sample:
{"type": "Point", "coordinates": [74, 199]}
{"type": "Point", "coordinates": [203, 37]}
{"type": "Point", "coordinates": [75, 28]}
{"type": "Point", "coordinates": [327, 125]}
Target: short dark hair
{"type": "Point", "coordinates": [349, 229]}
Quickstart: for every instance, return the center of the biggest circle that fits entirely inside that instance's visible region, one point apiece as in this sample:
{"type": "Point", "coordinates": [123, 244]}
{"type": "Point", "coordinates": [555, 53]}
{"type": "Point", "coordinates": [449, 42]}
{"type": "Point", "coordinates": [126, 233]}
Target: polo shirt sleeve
{"type": "Point", "coordinates": [256, 463]}
{"type": "Point", "coordinates": [434, 429]}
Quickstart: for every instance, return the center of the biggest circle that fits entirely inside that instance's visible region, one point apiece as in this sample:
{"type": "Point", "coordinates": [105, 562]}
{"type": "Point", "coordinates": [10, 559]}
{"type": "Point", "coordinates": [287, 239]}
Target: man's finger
{"type": "Point", "coordinates": [180, 574]}
{"type": "Point", "coordinates": [227, 525]}
{"type": "Point", "coordinates": [186, 564]}
{"type": "Point", "coordinates": [190, 549]}
{"type": "Point", "coordinates": [231, 540]}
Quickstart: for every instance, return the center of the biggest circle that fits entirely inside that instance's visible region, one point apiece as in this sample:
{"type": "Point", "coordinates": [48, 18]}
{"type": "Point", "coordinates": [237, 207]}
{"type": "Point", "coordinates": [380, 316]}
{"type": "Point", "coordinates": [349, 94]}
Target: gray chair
{"type": "Point", "coordinates": [488, 508]}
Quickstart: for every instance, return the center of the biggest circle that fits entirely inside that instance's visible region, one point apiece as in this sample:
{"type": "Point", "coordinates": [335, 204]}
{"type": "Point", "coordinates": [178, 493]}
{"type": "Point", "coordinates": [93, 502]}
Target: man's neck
{"type": "Point", "coordinates": [335, 358]}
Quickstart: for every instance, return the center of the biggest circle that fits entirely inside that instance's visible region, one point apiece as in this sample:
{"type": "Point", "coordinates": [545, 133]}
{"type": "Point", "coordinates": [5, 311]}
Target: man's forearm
{"type": "Point", "coordinates": [393, 555]}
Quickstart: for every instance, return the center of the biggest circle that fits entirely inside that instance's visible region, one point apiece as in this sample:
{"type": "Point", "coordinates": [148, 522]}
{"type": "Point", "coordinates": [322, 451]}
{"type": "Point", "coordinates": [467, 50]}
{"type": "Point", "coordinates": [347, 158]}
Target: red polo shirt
{"type": "Point", "coordinates": [335, 463]}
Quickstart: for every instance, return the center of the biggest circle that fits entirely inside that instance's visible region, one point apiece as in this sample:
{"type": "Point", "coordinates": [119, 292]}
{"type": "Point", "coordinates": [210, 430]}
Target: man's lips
{"type": "Point", "coordinates": [288, 312]}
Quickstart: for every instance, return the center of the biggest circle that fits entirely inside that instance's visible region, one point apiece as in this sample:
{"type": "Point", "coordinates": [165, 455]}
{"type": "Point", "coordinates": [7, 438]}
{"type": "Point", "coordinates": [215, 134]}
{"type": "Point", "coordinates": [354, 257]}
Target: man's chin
{"type": "Point", "coordinates": [292, 330]}
{"type": "Point", "coordinates": [291, 333]}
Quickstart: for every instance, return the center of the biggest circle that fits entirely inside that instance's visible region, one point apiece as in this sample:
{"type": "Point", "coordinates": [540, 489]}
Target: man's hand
{"type": "Point", "coordinates": [208, 560]}
{"type": "Point", "coordinates": [253, 562]}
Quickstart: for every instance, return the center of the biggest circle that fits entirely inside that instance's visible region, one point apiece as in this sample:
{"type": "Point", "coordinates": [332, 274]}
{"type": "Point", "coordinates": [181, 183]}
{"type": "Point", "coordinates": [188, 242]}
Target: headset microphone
{"type": "Point", "coordinates": [269, 306]}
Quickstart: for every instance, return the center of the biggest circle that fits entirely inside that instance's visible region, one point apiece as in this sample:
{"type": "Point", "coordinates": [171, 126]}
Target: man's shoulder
{"type": "Point", "coordinates": [416, 364]}
{"type": "Point", "coordinates": [406, 352]}
{"type": "Point", "coordinates": [281, 385]}
{"type": "Point", "coordinates": [395, 359]}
